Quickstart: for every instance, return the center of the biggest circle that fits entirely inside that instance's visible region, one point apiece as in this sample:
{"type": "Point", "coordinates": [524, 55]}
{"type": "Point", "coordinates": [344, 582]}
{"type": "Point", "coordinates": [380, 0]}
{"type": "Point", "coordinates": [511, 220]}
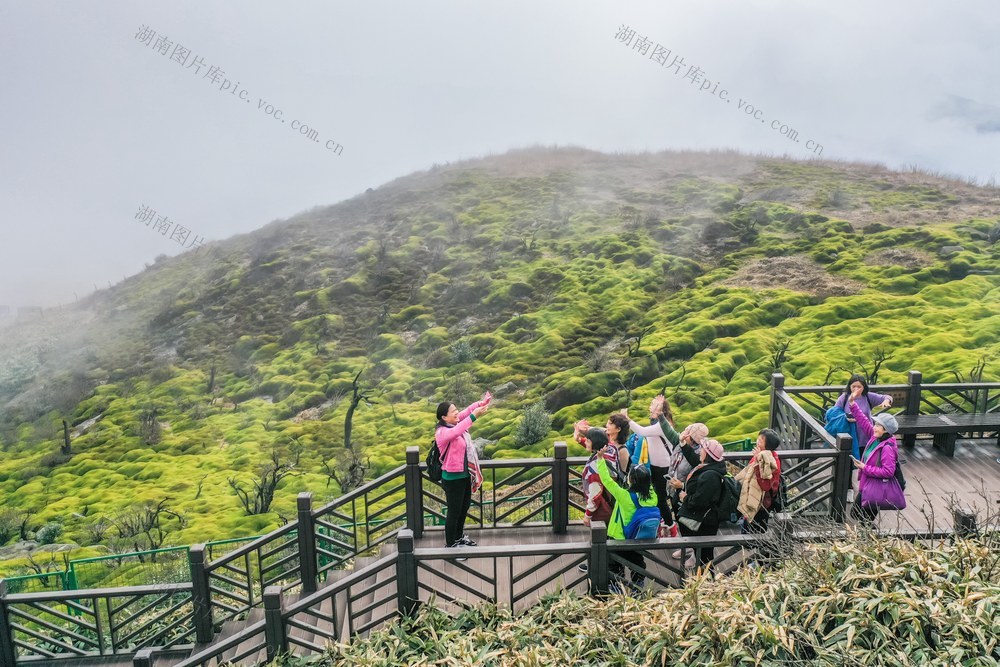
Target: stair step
{"type": "Point", "coordinates": [385, 593]}
{"type": "Point", "coordinates": [255, 615]}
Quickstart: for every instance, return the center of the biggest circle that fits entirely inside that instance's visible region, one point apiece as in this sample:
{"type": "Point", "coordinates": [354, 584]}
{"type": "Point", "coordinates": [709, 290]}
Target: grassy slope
{"type": "Point", "coordinates": [536, 259]}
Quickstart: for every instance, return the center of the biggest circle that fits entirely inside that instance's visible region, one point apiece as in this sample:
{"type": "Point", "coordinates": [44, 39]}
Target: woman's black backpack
{"type": "Point", "coordinates": [434, 462]}
{"type": "Point", "coordinates": [780, 499]}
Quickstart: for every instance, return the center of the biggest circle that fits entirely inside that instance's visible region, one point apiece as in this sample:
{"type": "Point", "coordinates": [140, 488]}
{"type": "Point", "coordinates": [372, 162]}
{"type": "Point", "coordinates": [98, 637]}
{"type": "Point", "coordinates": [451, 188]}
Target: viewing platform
{"type": "Point", "coordinates": [371, 556]}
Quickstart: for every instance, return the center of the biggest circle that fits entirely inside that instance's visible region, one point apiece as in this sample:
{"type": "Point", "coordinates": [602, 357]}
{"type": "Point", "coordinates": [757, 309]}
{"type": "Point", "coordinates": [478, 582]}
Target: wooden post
{"type": "Point", "coordinates": [407, 593]}
{"type": "Point", "coordinates": [841, 477]}
{"type": "Point", "coordinates": [913, 379]}
{"type": "Point", "coordinates": [144, 658]}
{"type": "Point", "coordinates": [8, 652]}
{"type": "Point", "coordinates": [414, 486]}
{"type": "Point", "coordinates": [560, 490]}
{"type": "Point", "coordinates": [964, 520]}
{"type": "Point", "coordinates": [307, 543]}
{"type": "Point", "coordinates": [777, 386]}
{"type": "Point", "coordinates": [274, 627]}
{"type": "Point", "coordinates": [598, 568]}
{"type": "Point", "coordinates": [201, 600]}
{"type": "Point", "coordinates": [804, 436]}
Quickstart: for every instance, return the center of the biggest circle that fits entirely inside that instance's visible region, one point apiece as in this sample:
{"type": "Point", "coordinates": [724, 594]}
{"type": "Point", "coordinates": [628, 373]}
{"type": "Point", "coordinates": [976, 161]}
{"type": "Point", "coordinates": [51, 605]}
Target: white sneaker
{"type": "Point", "coordinates": [676, 554]}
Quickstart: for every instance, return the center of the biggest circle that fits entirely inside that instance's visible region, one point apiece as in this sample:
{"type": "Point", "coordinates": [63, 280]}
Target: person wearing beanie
{"type": "Point", "coordinates": [700, 499]}
{"type": "Point", "coordinates": [878, 458]}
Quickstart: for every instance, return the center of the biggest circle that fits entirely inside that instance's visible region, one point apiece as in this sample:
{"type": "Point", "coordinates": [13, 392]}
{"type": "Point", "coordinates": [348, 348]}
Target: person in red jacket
{"type": "Point", "coordinates": [761, 481]}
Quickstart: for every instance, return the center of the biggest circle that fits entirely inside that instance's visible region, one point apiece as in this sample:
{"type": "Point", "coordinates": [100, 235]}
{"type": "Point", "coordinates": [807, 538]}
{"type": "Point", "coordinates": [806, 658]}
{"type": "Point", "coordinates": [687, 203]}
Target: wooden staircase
{"type": "Point", "coordinates": [354, 612]}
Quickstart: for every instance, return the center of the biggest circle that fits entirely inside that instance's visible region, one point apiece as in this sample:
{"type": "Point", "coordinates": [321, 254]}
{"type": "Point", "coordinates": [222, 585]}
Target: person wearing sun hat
{"type": "Point", "coordinates": [684, 457]}
{"type": "Point", "coordinates": [699, 512]}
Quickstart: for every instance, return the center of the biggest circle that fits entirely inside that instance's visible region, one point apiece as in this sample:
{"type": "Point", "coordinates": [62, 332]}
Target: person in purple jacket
{"type": "Point", "coordinates": [878, 459]}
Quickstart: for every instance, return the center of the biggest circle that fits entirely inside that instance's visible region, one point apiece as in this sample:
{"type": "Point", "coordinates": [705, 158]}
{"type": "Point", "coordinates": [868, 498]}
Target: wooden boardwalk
{"type": "Point", "coordinates": [935, 481]}
{"type": "Point", "coordinates": [518, 577]}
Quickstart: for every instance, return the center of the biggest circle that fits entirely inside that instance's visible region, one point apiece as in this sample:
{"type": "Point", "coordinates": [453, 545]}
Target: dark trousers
{"type": "Point", "coordinates": [758, 526]}
{"type": "Point", "coordinates": [862, 514]}
{"type": "Point", "coordinates": [660, 478]}
{"type": "Point", "coordinates": [616, 569]}
{"type": "Point", "coordinates": [706, 529]}
{"type": "Point", "coordinates": [458, 497]}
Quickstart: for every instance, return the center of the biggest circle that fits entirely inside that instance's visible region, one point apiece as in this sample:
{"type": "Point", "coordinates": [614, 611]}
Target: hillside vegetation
{"type": "Point", "coordinates": [579, 281]}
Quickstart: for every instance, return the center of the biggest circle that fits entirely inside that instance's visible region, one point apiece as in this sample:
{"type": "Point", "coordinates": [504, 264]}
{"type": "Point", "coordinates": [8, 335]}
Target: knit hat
{"type": "Point", "coordinates": [888, 422]}
{"type": "Point", "coordinates": [597, 437]}
{"type": "Point", "coordinates": [697, 432]}
{"type": "Point", "coordinates": [714, 449]}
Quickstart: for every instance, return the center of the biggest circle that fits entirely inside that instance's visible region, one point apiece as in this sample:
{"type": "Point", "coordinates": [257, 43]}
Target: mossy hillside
{"type": "Point", "coordinates": [447, 283]}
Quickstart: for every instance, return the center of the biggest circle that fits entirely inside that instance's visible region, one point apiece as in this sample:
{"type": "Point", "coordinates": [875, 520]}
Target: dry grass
{"type": "Point", "coordinates": [795, 273]}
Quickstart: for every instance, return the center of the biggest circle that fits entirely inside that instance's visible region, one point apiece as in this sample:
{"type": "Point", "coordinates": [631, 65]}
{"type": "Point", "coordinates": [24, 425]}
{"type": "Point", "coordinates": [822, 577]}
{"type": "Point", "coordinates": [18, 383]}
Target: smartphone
{"type": "Point", "coordinates": [855, 460]}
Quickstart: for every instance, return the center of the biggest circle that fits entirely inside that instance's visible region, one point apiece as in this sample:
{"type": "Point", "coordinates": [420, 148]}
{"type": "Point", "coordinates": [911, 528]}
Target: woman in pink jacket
{"type": "Point", "coordinates": [460, 474]}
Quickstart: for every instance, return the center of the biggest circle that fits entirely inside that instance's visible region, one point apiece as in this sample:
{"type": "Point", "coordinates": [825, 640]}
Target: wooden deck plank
{"type": "Point", "coordinates": [972, 476]}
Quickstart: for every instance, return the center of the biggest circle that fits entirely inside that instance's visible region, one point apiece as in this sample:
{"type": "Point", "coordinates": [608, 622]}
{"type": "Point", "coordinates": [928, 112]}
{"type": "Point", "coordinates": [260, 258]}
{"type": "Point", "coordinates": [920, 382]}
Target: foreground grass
{"type": "Point", "coordinates": [865, 602]}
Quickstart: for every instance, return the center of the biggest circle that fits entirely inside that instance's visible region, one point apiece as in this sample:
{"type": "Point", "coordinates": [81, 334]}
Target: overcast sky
{"type": "Point", "coordinates": [95, 122]}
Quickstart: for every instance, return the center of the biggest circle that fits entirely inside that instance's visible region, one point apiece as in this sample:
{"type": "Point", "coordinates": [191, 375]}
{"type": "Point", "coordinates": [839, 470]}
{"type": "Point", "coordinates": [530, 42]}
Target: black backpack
{"type": "Point", "coordinates": [779, 501]}
{"type": "Point", "coordinates": [729, 499]}
{"type": "Point", "coordinates": [434, 461]}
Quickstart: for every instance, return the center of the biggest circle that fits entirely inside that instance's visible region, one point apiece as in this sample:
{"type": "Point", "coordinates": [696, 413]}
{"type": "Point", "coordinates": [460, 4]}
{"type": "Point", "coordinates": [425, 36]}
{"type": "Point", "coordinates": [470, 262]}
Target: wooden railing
{"type": "Point", "coordinates": [790, 406]}
{"type": "Point", "coordinates": [518, 492]}
{"type": "Point", "coordinates": [45, 628]}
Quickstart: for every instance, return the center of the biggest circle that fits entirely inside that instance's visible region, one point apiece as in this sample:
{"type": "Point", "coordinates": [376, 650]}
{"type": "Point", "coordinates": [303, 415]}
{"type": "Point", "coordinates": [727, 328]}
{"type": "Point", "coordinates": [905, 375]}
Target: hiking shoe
{"type": "Point", "coordinates": [467, 541]}
{"type": "Point", "coordinates": [583, 567]}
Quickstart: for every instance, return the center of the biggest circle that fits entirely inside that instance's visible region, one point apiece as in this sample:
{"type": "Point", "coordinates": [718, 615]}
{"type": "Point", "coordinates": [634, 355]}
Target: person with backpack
{"type": "Point", "coordinates": [699, 514]}
{"type": "Point", "coordinates": [660, 440]}
{"type": "Point", "coordinates": [617, 430]}
{"type": "Point", "coordinates": [761, 483]}
{"type": "Point", "coordinates": [867, 401]}
{"type": "Point", "coordinates": [880, 484]}
{"type": "Point", "coordinates": [683, 457]}
{"type": "Point", "coordinates": [635, 516]}
{"type": "Point", "coordinates": [460, 473]}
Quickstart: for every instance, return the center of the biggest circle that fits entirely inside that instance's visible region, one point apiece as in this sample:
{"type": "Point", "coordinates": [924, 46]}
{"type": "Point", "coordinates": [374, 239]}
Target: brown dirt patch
{"type": "Point", "coordinates": [905, 257]}
{"type": "Point", "coordinates": [799, 274]}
